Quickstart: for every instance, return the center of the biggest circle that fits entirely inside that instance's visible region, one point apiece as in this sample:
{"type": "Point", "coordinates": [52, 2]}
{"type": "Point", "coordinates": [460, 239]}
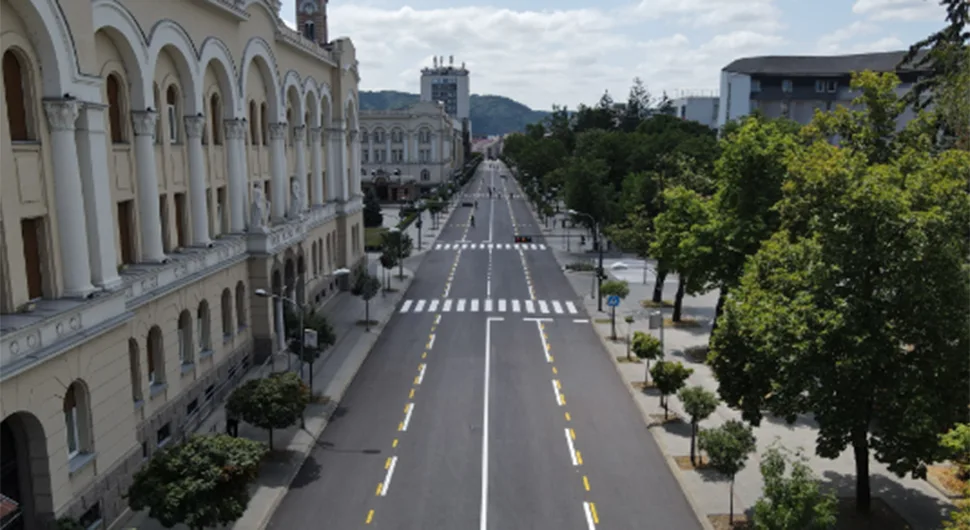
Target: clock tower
{"type": "Point", "coordinates": [311, 20]}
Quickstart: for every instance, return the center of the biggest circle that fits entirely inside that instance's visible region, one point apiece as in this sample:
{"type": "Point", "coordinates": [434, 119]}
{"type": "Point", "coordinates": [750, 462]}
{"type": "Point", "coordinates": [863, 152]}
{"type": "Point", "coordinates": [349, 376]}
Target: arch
{"type": "Point", "coordinates": [134, 367]}
{"type": "Point", "coordinates": [77, 419]}
{"type": "Point", "coordinates": [240, 304]}
{"type": "Point", "coordinates": [119, 24]}
{"type": "Point", "coordinates": [311, 98]}
{"type": "Point", "coordinates": [23, 444]}
{"type": "Point", "coordinates": [214, 50]}
{"type": "Point", "coordinates": [185, 337]}
{"type": "Point", "coordinates": [168, 34]}
{"type": "Point", "coordinates": [293, 95]}
{"type": "Point", "coordinates": [397, 134]}
{"type": "Point", "coordinates": [258, 52]}
{"type": "Point", "coordinates": [155, 355]}
{"type": "Point", "coordinates": [203, 320]}
{"type": "Point", "coordinates": [52, 42]}
{"type": "Point", "coordinates": [326, 104]}
{"type": "Point", "coordinates": [18, 87]}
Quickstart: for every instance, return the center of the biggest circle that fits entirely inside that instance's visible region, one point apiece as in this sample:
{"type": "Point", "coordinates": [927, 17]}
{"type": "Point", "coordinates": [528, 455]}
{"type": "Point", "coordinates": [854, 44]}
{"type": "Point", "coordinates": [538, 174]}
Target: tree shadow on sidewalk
{"type": "Point", "coordinates": [918, 509]}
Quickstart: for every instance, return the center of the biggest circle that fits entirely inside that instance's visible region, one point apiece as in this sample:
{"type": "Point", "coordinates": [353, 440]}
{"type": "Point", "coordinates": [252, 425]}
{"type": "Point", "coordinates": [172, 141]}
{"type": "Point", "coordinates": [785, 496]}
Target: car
{"type": "Point", "coordinates": [467, 203]}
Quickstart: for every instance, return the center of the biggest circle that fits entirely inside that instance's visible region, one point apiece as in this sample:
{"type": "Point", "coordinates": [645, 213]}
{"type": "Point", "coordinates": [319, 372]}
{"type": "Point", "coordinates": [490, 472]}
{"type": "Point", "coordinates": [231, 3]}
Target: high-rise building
{"type": "Point", "coordinates": [448, 84]}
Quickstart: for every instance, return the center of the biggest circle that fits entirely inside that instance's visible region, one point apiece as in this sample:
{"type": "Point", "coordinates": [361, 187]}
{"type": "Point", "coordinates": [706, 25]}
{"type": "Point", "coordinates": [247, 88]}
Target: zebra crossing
{"type": "Point", "coordinates": [489, 246]}
{"type": "Point", "coordinates": [488, 305]}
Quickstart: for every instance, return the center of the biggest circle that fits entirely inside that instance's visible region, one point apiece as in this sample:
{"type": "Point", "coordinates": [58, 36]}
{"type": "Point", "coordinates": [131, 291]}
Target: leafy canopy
{"type": "Point", "coordinates": [728, 446]}
{"type": "Point", "coordinates": [794, 501]}
{"type": "Point", "coordinates": [272, 402]}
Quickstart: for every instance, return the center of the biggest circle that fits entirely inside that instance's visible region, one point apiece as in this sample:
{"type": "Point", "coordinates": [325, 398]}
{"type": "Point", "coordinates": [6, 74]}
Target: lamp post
{"type": "Point", "coordinates": [399, 242]}
{"type": "Point", "coordinates": [599, 247]}
{"type": "Point", "coordinates": [281, 299]}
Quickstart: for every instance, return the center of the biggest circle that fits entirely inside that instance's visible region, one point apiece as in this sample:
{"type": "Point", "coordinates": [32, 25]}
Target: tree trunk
{"type": "Point", "coordinates": [646, 376]}
{"type": "Point", "coordinates": [693, 436]}
{"type": "Point", "coordinates": [679, 299]}
{"type": "Point", "coordinates": [270, 438]}
{"type": "Point", "coordinates": [613, 323]}
{"type": "Point", "coordinates": [664, 399]}
{"type": "Point", "coordinates": [719, 308]}
{"type": "Point", "coordinates": [731, 504]}
{"type": "Point", "coordinates": [366, 315]}
{"type": "Point", "coordinates": [860, 446]}
{"type": "Point", "coordinates": [658, 286]}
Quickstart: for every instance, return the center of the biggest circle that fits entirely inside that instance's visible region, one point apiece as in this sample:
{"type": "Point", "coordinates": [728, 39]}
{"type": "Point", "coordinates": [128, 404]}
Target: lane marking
{"type": "Point", "coordinates": [423, 367]}
{"type": "Point", "coordinates": [483, 514]}
{"type": "Point", "coordinates": [407, 418]}
{"type": "Point", "coordinates": [431, 342]}
{"type": "Point", "coordinates": [411, 395]}
{"type": "Point", "coordinates": [545, 343]}
{"type": "Point", "coordinates": [387, 464]}
{"type": "Point", "coordinates": [424, 355]}
{"type": "Point", "coordinates": [572, 434]}
{"type": "Point", "coordinates": [555, 388]}
{"type": "Point", "coordinates": [579, 457]}
{"type": "Point", "coordinates": [394, 443]}
{"type": "Point", "coordinates": [437, 319]}
{"type": "Point", "coordinates": [534, 319]}
{"type": "Point", "coordinates": [387, 479]}
{"type": "Point", "coordinates": [572, 450]}
{"type": "Point", "coordinates": [370, 517]}
{"type": "Point", "coordinates": [407, 305]}
{"type": "Point", "coordinates": [581, 320]}
{"type": "Point", "coordinates": [589, 516]}
{"type": "Point", "coordinates": [592, 508]}
{"type": "Point", "coordinates": [586, 482]}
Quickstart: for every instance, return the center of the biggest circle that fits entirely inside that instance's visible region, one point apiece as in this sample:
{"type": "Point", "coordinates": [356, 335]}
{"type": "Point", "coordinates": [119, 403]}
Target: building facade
{"type": "Point", "coordinates": [490, 148]}
{"type": "Point", "coordinates": [159, 165]}
{"type": "Point", "coordinates": [406, 153]}
{"type": "Point", "coordinates": [795, 87]}
{"type": "Point", "coordinates": [449, 85]}
{"type": "Point", "coordinates": [702, 109]}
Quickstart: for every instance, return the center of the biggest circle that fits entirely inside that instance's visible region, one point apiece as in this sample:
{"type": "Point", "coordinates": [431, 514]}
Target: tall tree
{"type": "Point", "coordinates": [585, 192]}
{"type": "Point", "coordinates": [943, 53]}
{"type": "Point", "coordinates": [683, 241]}
{"type": "Point", "coordinates": [637, 108]}
{"type": "Point", "coordinates": [867, 276]}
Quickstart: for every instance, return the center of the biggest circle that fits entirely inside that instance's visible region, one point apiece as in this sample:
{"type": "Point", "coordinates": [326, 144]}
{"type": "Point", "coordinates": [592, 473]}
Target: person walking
{"type": "Point", "coordinates": [232, 425]}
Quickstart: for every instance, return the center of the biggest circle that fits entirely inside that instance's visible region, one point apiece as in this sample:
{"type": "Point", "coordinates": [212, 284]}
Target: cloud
{"type": "Point", "coordinates": [903, 10]}
{"type": "Point", "coordinates": [763, 15]}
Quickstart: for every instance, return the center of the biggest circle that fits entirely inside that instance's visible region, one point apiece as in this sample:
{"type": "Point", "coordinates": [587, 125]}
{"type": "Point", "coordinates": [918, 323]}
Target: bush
{"type": "Point", "coordinates": [407, 221]}
{"type": "Point", "coordinates": [581, 266]}
{"type": "Point", "coordinates": [273, 402]}
{"type": "Point", "coordinates": [372, 211]}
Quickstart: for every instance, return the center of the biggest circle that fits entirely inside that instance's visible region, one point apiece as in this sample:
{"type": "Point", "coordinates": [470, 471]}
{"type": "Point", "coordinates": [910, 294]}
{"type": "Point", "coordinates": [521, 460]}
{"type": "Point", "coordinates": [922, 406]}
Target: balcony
{"type": "Point", "coordinates": [279, 237]}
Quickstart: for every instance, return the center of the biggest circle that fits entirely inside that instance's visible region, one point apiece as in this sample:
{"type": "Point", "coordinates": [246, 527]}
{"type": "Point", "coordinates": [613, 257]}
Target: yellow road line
{"type": "Point", "coordinates": [380, 486]}
{"type": "Point", "coordinates": [370, 517]}
{"type": "Point", "coordinates": [572, 434]}
{"type": "Point", "coordinates": [423, 355]}
{"type": "Point", "coordinates": [579, 458]}
{"type": "Point", "coordinates": [596, 517]}
{"type": "Point", "coordinates": [411, 395]}
{"type": "Point", "coordinates": [558, 384]}
{"type": "Point", "coordinates": [554, 370]}
{"type": "Point", "coordinates": [388, 463]}
{"type": "Point", "coordinates": [400, 426]}
{"type": "Point", "coordinates": [586, 482]}
{"type": "Point", "coordinates": [394, 444]}
{"type": "Point", "coordinates": [568, 417]}
{"type": "Point", "coordinates": [551, 359]}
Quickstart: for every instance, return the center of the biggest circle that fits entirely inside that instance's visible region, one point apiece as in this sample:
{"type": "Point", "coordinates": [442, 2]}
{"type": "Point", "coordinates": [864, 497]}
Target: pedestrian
{"type": "Point", "coordinates": [232, 424]}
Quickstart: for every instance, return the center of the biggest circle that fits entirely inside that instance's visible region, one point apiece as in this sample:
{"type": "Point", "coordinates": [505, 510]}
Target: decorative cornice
{"type": "Point", "coordinates": [299, 133]}
{"type": "Point", "coordinates": [62, 114]}
{"type": "Point", "coordinates": [194, 126]}
{"type": "Point", "coordinates": [143, 122]}
{"type": "Point", "coordinates": [277, 131]}
{"type": "Point", "coordinates": [235, 129]}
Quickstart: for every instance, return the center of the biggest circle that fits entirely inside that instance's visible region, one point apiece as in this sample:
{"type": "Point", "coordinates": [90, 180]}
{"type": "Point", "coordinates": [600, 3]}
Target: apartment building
{"type": "Point", "coordinates": [406, 153]}
{"type": "Point", "coordinates": [161, 161]}
{"type": "Point", "coordinates": [796, 86]}
{"type": "Point", "coordinates": [702, 109]}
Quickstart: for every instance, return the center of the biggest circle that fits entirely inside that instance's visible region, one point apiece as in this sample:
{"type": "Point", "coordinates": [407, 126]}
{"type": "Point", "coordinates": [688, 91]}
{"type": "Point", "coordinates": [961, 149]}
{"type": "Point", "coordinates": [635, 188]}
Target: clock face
{"type": "Point", "coordinates": [309, 7]}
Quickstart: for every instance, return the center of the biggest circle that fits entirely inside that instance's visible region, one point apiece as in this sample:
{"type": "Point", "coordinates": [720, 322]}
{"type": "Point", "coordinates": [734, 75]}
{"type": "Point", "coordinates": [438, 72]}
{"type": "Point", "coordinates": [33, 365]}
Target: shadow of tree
{"type": "Point", "coordinates": [309, 472]}
{"type": "Point", "coordinates": [918, 509]}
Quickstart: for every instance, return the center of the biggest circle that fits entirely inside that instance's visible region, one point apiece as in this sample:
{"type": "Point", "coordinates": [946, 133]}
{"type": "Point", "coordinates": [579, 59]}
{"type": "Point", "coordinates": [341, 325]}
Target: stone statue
{"type": "Point", "coordinates": [296, 199]}
{"type": "Point", "coordinates": [257, 214]}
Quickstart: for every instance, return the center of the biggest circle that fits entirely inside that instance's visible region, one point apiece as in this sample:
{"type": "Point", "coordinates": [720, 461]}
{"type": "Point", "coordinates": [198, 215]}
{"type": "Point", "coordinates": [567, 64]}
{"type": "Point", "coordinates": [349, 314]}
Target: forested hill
{"type": "Point", "coordinates": [489, 114]}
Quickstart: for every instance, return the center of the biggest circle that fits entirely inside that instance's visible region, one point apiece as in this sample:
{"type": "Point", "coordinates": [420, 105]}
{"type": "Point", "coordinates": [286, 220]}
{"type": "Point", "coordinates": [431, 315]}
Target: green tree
{"type": "Point", "coordinates": [670, 377]}
{"type": "Point", "coordinates": [635, 235]}
{"type": "Point", "coordinates": [867, 275]}
{"type": "Point", "coordinates": [793, 502]}
{"type": "Point", "coordinates": [388, 262]}
{"type": "Point", "coordinates": [956, 443]}
{"type": "Point", "coordinates": [315, 320]}
{"type": "Point", "coordinates": [647, 347]}
{"type": "Point", "coordinates": [366, 286]}
{"type": "Point", "coordinates": [638, 106]}
{"type": "Point", "coordinates": [276, 401]}
{"type": "Point", "coordinates": [683, 241]}
{"type": "Point", "coordinates": [201, 483]}
{"type": "Point", "coordinates": [372, 210]}
{"type": "Point", "coordinates": [614, 288]}
{"type": "Point", "coordinates": [584, 190]}
{"type": "Point", "coordinates": [942, 55]}
{"type": "Point", "coordinates": [727, 448]}
{"type": "Point", "coordinates": [699, 403]}
{"type": "Point", "coordinates": [960, 517]}
{"type": "Point", "coordinates": [399, 245]}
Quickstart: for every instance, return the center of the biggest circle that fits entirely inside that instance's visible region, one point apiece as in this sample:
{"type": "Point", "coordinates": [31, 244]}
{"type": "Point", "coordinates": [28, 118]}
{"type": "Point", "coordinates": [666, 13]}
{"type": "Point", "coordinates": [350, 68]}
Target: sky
{"type": "Point", "coordinates": [566, 52]}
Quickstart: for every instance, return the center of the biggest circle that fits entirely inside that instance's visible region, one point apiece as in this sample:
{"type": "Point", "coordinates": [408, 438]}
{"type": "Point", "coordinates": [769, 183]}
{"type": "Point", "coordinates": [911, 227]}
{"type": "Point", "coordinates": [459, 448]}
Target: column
{"type": "Point", "coordinates": [197, 181]}
{"type": "Point", "coordinates": [434, 148]}
{"type": "Point", "coordinates": [69, 199]}
{"type": "Point", "coordinates": [338, 148]}
{"type": "Point", "coordinates": [316, 164]}
{"type": "Point", "coordinates": [149, 217]}
{"type": "Point", "coordinates": [353, 180]}
{"type": "Point", "coordinates": [277, 161]}
{"type": "Point", "coordinates": [236, 173]}
{"type": "Point", "coordinates": [387, 149]}
{"type": "Point", "coordinates": [408, 138]}
{"type": "Point", "coordinates": [92, 153]}
{"type": "Point", "coordinates": [299, 145]}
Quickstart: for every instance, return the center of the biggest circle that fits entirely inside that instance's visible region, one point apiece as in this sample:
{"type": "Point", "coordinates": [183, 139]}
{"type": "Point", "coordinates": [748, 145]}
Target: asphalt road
{"type": "Point", "coordinates": [561, 445]}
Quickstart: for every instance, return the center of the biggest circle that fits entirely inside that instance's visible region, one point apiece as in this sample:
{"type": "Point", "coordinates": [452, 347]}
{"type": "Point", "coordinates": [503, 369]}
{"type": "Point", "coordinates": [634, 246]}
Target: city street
{"type": "Point", "coordinates": [487, 403]}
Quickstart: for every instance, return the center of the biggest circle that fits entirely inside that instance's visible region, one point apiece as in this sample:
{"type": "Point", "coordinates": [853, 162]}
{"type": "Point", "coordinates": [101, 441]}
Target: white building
{"type": "Point", "coordinates": [702, 109]}
{"type": "Point", "coordinates": [406, 153]}
{"type": "Point", "coordinates": [795, 87]}
{"type": "Point", "coordinates": [449, 85]}
{"type": "Point", "coordinates": [160, 161]}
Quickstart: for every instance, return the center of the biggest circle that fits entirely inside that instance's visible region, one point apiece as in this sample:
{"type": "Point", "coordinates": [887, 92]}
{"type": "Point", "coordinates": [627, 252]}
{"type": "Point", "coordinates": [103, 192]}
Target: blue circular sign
{"type": "Point", "coordinates": [613, 300]}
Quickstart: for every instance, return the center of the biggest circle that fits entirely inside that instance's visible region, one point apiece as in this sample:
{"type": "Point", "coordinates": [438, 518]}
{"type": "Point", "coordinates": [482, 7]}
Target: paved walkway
{"type": "Point", "coordinates": [333, 373]}
{"type": "Point", "coordinates": [922, 505]}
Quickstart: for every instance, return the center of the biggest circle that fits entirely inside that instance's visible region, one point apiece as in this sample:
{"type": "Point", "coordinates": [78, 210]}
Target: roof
{"type": "Point", "coordinates": [819, 64]}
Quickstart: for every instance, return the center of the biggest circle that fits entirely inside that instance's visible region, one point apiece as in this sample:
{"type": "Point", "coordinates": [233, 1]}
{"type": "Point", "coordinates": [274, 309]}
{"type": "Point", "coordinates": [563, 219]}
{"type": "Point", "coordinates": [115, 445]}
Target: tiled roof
{"type": "Point", "coordinates": [819, 64]}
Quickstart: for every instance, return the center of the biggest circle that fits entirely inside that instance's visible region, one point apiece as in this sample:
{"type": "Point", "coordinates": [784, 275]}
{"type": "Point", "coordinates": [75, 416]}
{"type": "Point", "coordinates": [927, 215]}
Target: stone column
{"type": "Point", "coordinates": [434, 148]}
{"type": "Point", "coordinates": [69, 199]}
{"type": "Point", "coordinates": [149, 217]}
{"type": "Point", "coordinates": [408, 138]}
{"type": "Point", "coordinates": [197, 180]}
{"type": "Point", "coordinates": [387, 149]}
{"type": "Point", "coordinates": [236, 173]}
{"type": "Point", "coordinates": [337, 157]}
{"type": "Point", "coordinates": [353, 179]}
{"type": "Point", "coordinates": [93, 164]}
{"type": "Point", "coordinates": [316, 164]}
{"type": "Point", "coordinates": [277, 157]}
{"type": "Point", "coordinates": [299, 145]}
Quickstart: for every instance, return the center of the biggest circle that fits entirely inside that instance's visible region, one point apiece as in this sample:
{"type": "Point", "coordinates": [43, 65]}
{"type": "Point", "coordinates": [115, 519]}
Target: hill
{"type": "Point", "coordinates": [489, 114]}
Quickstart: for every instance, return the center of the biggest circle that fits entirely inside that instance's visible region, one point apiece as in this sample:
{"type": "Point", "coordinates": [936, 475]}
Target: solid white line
{"type": "Point", "coordinates": [407, 417]}
{"type": "Point", "coordinates": [589, 517]}
{"type": "Point", "coordinates": [483, 519]}
{"type": "Point", "coordinates": [545, 344]}
{"type": "Point", "coordinates": [488, 281]}
{"type": "Point", "coordinates": [581, 320]}
{"type": "Point", "coordinates": [534, 319]}
{"type": "Point", "coordinates": [421, 373]}
{"type": "Point", "coordinates": [387, 478]}
{"type": "Point", "coordinates": [431, 342]}
{"type": "Point", "coordinates": [572, 450]}
{"type": "Point", "coordinates": [555, 388]}
{"type": "Point", "coordinates": [437, 320]}
{"type": "Point", "coordinates": [491, 220]}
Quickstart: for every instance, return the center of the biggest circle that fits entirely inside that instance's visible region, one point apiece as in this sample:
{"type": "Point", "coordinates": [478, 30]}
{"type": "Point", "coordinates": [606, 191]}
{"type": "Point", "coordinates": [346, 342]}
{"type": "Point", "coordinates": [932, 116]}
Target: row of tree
{"type": "Point", "coordinates": [840, 249]}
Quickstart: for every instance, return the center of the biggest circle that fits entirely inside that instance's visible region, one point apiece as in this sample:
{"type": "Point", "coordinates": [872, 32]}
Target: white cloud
{"type": "Point", "coordinates": [834, 43]}
{"type": "Point", "coordinates": [903, 10]}
{"type": "Point", "coordinates": [763, 15]}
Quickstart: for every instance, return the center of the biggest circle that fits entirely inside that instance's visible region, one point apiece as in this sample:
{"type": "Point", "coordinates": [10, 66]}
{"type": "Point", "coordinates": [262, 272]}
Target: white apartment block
{"type": "Point", "coordinates": [407, 153]}
{"type": "Point", "coordinates": [796, 86]}
{"type": "Point", "coordinates": [160, 161]}
{"type": "Point", "coordinates": [702, 109]}
{"type": "Point", "coordinates": [448, 84]}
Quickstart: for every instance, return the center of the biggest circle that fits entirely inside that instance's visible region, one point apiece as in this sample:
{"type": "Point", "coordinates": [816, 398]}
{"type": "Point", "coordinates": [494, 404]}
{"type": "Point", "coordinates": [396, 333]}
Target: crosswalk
{"type": "Point", "coordinates": [489, 246]}
{"type": "Point", "coordinates": [488, 305]}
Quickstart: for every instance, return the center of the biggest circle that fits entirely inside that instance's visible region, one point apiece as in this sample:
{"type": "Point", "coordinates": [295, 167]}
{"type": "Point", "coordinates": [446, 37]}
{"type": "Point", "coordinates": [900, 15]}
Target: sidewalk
{"type": "Point", "coordinates": [917, 501]}
{"type": "Point", "coordinates": [333, 373]}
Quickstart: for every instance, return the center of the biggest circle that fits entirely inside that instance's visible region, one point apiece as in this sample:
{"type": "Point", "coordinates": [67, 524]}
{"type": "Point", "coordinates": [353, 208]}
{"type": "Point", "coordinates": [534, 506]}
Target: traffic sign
{"type": "Point", "coordinates": [613, 300]}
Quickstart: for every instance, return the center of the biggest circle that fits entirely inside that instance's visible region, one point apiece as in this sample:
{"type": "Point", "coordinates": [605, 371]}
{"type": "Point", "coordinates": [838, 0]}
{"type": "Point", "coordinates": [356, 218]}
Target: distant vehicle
{"type": "Point", "coordinates": [467, 203]}
{"type": "Point", "coordinates": [619, 266]}
{"type": "Point", "coordinates": [505, 176]}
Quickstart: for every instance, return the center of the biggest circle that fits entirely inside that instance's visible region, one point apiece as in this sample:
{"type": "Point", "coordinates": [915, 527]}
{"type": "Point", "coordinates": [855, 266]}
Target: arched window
{"type": "Point", "coordinates": [202, 322]}
{"type": "Point", "coordinates": [241, 305]}
{"type": "Point", "coordinates": [289, 127]}
{"type": "Point", "coordinates": [156, 357]}
{"type": "Point", "coordinates": [309, 30]}
{"type": "Point", "coordinates": [264, 122]}
{"type": "Point", "coordinates": [226, 314]}
{"type": "Point", "coordinates": [253, 124]}
{"type": "Point", "coordinates": [425, 175]}
{"type": "Point", "coordinates": [172, 114]}
{"type": "Point", "coordinates": [320, 248]}
{"type": "Point", "coordinates": [16, 87]}
{"type": "Point", "coordinates": [134, 367]}
{"type": "Point", "coordinates": [116, 110]}
{"type": "Point", "coordinates": [215, 116]}
{"type": "Point", "coordinates": [185, 338]}
{"type": "Point", "coordinates": [76, 420]}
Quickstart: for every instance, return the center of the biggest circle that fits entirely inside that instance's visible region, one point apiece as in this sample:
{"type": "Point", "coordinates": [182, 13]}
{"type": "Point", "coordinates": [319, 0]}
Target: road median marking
{"type": "Point", "coordinates": [572, 449]}
{"type": "Point", "coordinates": [370, 517]}
{"type": "Point", "coordinates": [586, 482]}
{"type": "Point", "coordinates": [430, 342]}
{"type": "Point", "coordinates": [403, 426]}
{"type": "Point", "coordinates": [590, 523]}
{"type": "Point", "coordinates": [555, 388]}
{"type": "Point", "coordinates": [421, 370]}
{"type": "Point", "coordinates": [383, 487]}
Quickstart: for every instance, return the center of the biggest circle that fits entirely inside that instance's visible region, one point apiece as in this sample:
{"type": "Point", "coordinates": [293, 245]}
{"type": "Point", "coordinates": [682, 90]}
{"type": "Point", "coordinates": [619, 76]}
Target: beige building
{"type": "Point", "coordinates": [407, 152]}
{"type": "Point", "coordinates": [160, 160]}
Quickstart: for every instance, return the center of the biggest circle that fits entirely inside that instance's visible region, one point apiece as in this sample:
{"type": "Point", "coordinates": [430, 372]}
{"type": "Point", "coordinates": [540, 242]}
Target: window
{"type": "Point", "coordinates": [192, 407]}
{"type": "Point", "coordinates": [397, 155]}
{"type": "Point", "coordinates": [31, 231]}
{"type": "Point", "coordinates": [756, 85]}
{"type": "Point", "coordinates": [171, 101]}
{"type": "Point", "coordinates": [185, 338]}
{"type": "Point", "coordinates": [163, 435]}
{"type": "Point", "coordinates": [126, 236]}
{"type": "Point", "coordinates": [253, 124]}
{"type": "Point", "coordinates": [309, 30]}
{"type": "Point", "coordinates": [156, 360]}
{"type": "Point", "coordinates": [72, 421]}
{"type": "Point", "coordinates": [16, 87]}
{"type": "Point", "coordinates": [134, 367]}
{"type": "Point", "coordinates": [264, 123]}
{"type": "Point", "coordinates": [424, 136]}
{"type": "Point", "coordinates": [820, 85]}
{"type": "Point", "coordinates": [226, 308]}
{"type": "Point", "coordinates": [202, 322]}
{"type": "Point", "coordinates": [832, 86]}
{"type": "Point", "coordinates": [785, 109]}
{"type": "Point", "coordinates": [209, 392]}
{"type": "Point", "coordinates": [91, 519]}
{"type": "Point", "coordinates": [241, 305]}
{"type": "Point", "coordinates": [215, 115]}
{"type": "Point", "coordinates": [115, 110]}
{"type": "Point", "coordinates": [786, 86]}
{"type": "Point", "coordinates": [365, 155]}
{"type": "Point", "coordinates": [425, 175]}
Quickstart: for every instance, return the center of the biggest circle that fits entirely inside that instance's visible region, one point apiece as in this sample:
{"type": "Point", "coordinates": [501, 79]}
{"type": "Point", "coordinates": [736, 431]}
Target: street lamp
{"type": "Point", "coordinates": [281, 299]}
{"type": "Point", "coordinates": [599, 247]}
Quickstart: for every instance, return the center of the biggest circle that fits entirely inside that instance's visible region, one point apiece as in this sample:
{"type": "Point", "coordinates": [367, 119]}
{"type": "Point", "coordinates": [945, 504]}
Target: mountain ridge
{"type": "Point", "coordinates": [490, 114]}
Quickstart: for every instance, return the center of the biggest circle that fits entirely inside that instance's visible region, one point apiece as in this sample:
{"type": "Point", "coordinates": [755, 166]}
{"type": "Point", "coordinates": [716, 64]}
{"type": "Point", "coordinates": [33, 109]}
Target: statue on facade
{"type": "Point", "coordinates": [257, 213]}
{"type": "Point", "coordinates": [296, 199]}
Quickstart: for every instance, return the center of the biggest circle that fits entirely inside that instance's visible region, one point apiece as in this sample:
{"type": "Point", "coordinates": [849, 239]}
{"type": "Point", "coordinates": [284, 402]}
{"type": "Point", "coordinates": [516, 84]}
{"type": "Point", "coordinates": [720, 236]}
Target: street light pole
{"type": "Point", "coordinates": [597, 240]}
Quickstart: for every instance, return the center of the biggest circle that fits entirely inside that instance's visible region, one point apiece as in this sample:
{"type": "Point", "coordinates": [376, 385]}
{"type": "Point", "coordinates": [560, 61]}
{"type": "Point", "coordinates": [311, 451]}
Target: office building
{"type": "Point", "coordinates": [449, 85]}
